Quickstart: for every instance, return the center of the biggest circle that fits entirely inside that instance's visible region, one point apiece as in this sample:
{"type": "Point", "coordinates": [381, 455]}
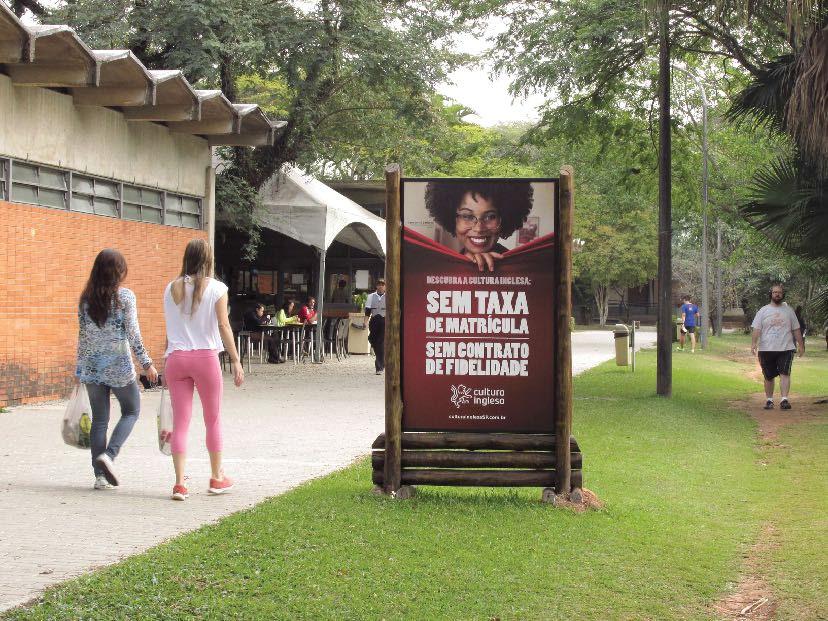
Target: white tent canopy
{"type": "Point", "coordinates": [307, 210]}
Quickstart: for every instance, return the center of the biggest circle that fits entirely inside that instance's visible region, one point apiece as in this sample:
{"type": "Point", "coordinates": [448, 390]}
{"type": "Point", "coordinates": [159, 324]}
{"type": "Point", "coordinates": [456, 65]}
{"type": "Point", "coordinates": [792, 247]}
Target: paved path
{"type": "Point", "coordinates": [283, 427]}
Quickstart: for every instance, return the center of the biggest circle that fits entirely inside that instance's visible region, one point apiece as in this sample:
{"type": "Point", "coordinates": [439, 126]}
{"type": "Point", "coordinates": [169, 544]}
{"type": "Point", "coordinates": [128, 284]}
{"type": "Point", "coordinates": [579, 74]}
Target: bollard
{"type": "Point", "coordinates": [622, 345]}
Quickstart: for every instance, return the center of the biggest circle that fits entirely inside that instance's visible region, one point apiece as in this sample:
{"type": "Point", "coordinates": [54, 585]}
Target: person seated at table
{"type": "Point", "coordinates": [253, 321]}
{"type": "Point", "coordinates": [307, 314]}
{"type": "Point", "coordinates": [284, 318]}
{"type": "Point", "coordinates": [255, 318]}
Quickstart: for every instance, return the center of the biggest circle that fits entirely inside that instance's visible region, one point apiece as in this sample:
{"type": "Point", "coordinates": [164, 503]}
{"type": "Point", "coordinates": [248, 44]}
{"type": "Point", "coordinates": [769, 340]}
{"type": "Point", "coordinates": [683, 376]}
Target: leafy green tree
{"type": "Point", "coordinates": [34, 6]}
{"type": "Point", "coordinates": [347, 76]}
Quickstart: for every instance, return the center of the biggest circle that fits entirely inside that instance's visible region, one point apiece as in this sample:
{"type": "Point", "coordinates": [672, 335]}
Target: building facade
{"type": "Point", "coordinates": [96, 152]}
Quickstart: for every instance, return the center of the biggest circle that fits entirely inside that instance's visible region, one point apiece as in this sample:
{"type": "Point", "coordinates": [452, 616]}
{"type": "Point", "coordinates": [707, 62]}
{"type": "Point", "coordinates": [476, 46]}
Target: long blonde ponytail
{"type": "Point", "coordinates": [196, 268]}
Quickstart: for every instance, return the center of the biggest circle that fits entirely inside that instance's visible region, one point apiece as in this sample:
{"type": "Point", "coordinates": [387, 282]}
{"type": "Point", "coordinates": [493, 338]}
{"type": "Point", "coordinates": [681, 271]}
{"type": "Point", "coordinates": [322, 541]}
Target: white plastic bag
{"type": "Point", "coordinates": [165, 423]}
{"type": "Point", "coordinates": [77, 421]}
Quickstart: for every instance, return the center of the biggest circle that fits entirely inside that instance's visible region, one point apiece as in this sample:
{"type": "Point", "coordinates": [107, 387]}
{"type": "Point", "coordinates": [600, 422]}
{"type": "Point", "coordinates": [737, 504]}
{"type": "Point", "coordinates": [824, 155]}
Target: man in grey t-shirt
{"type": "Point", "coordinates": [775, 328]}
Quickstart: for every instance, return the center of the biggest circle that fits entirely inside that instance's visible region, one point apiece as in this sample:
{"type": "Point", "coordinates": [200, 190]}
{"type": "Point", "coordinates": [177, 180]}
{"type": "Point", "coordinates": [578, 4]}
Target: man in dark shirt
{"type": "Point", "coordinates": [253, 321]}
{"type": "Point", "coordinates": [254, 318]}
{"type": "Point", "coordinates": [689, 321]}
{"type": "Point", "coordinates": [375, 309]}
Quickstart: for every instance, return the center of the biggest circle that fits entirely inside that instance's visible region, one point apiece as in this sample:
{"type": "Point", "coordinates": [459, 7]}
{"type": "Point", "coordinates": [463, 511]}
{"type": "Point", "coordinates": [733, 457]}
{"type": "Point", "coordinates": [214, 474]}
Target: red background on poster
{"type": "Point", "coordinates": [528, 401]}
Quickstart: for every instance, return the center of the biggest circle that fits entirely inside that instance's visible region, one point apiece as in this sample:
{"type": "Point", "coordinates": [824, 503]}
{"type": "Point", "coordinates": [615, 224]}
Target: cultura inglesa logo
{"type": "Point", "coordinates": [460, 395]}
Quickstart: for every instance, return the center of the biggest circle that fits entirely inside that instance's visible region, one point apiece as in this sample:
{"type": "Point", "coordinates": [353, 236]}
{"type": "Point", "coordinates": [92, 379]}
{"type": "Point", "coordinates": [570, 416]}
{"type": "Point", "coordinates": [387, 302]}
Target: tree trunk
{"type": "Point", "coordinates": [664, 361]}
{"type": "Point", "coordinates": [718, 286]}
{"type": "Point", "coordinates": [600, 292]}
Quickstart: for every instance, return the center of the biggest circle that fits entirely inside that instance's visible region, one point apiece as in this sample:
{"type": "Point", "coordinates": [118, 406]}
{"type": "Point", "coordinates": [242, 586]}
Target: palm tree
{"type": "Point", "coordinates": [788, 200]}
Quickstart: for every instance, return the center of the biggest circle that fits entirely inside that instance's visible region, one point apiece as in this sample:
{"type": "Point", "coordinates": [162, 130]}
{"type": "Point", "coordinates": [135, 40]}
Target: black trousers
{"type": "Point", "coordinates": [376, 336]}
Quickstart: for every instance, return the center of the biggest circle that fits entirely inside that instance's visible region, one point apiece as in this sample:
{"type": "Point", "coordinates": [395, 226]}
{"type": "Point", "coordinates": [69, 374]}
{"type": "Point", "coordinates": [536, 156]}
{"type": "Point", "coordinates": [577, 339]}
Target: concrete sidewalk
{"type": "Point", "coordinates": [286, 425]}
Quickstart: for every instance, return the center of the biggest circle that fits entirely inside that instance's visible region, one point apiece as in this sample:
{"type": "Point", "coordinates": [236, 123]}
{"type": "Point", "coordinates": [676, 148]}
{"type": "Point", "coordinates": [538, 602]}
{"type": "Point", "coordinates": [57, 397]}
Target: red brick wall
{"type": "Point", "coordinates": [45, 259]}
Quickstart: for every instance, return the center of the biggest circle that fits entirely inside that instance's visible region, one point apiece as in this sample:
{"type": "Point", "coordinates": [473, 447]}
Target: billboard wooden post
{"type": "Point", "coordinates": [474, 413]}
{"type": "Point", "coordinates": [393, 393]}
{"type": "Point", "coordinates": [563, 364]}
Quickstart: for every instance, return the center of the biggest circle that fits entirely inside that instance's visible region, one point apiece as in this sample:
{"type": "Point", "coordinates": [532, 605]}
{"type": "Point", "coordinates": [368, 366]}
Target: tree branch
{"type": "Point", "coordinates": [724, 38]}
{"type": "Point", "coordinates": [19, 6]}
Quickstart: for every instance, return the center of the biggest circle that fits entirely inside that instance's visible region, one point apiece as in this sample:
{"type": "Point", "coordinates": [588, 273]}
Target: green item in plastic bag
{"type": "Point", "coordinates": [85, 424]}
{"type": "Point", "coordinates": [76, 427]}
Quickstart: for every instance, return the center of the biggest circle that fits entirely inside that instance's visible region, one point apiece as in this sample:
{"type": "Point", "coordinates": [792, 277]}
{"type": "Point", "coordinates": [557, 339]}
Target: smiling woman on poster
{"type": "Point", "coordinates": [479, 214]}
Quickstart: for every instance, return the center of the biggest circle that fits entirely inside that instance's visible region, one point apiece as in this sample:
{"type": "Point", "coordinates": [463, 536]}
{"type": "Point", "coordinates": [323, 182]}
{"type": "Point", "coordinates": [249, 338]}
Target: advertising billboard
{"type": "Point", "coordinates": [478, 278]}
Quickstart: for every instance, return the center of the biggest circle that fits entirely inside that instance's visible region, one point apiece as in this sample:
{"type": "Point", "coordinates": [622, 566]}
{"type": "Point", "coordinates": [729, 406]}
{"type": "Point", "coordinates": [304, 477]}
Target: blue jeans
{"type": "Point", "coordinates": [130, 400]}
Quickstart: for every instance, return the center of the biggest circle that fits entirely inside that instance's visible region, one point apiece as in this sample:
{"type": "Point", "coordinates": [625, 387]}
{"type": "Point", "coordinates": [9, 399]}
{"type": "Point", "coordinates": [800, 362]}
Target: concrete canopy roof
{"type": "Point", "coordinates": [14, 39]}
{"type": "Point", "coordinates": [218, 117]}
{"type": "Point", "coordinates": [252, 121]}
{"type": "Point", "coordinates": [124, 81]}
{"type": "Point", "coordinates": [55, 57]}
{"type": "Point", "coordinates": [175, 99]}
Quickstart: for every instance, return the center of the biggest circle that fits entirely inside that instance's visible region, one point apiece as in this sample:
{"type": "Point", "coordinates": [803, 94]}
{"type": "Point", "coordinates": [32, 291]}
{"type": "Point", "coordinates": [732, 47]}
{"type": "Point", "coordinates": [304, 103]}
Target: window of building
{"type": "Point", "coordinates": [24, 182]}
{"type": "Point", "coordinates": [143, 204]}
{"type": "Point", "coordinates": [38, 185]}
{"type": "Point", "coordinates": [4, 180]}
{"type": "Point", "coordinates": [183, 211]}
{"type": "Point", "coordinates": [253, 281]}
{"type": "Point", "coordinates": [91, 195]}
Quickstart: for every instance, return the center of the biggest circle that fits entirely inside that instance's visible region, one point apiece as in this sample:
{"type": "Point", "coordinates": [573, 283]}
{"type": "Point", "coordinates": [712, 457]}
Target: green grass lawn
{"type": "Point", "coordinates": [687, 488]}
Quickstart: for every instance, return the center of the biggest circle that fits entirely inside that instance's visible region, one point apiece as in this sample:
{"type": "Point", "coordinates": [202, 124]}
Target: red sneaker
{"type": "Point", "coordinates": [180, 492]}
{"type": "Point", "coordinates": [219, 487]}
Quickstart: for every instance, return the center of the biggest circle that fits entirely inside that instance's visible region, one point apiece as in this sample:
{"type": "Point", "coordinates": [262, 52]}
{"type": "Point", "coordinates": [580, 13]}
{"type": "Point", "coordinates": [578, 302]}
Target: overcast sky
{"type": "Point", "coordinates": [486, 95]}
{"type": "Point", "coordinates": [489, 98]}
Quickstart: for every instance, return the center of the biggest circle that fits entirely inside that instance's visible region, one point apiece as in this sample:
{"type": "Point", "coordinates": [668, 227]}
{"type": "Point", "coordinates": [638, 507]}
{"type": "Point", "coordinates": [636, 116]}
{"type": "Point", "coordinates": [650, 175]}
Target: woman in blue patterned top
{"type": "Point", "coordinates": [108, 321]}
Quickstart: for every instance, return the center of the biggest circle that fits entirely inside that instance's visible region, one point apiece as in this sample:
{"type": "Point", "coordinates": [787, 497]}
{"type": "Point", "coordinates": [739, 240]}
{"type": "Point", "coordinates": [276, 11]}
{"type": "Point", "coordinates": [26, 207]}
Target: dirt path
{"type": "Point", "coordinates": [771, 421]}
{"type": "Point", "coordinates": [752, 597]}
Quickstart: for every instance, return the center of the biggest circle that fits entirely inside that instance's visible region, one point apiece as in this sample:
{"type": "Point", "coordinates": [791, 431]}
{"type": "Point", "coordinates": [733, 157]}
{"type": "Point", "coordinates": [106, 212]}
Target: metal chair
{"type": "Point", "coordinates": [329, 336]}
{"type": "Point", "coordinates": [290, 335]}
{"type": "Point", "coordinates": [244, 345]}
{"type": "Point", "coordinates": [342, 326]}
{"type": "Point", "coordinates": [307, 341]}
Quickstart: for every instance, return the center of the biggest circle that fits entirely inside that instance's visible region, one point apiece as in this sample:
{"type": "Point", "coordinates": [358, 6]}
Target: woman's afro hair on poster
{"type": "Point", "coordinates": [513, 201]}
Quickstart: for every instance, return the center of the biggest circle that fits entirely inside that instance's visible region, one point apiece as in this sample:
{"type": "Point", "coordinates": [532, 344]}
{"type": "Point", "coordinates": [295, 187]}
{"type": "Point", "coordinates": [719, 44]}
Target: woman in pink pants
{"type": "Point", "coordinates": [198, 328]}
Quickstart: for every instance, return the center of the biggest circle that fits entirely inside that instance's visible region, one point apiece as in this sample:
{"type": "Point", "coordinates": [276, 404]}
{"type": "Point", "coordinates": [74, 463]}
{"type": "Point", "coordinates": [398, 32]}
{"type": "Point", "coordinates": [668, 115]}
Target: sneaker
{"type": "Point", "coordinates": [378, 373]}
{"type": "Point", "coordinates": [101, 482]}
{"type": "Point", "coordinates": [769, 404]}
{"type": "Point", "coordinates": [180, 492]}
{"type": "Point", "coordinates": [105, 462]}
{"type": "Point", "coordinates": [784, 405]}
{"type": "Point", "coordinates": [219, 487]}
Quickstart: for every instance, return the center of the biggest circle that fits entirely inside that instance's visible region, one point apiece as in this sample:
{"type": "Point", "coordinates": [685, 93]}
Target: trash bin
{"type": "Point", "coordinates": [622, 345]}
{"type": "Point", "coordinates": [358, 337]}
{"type": "Point", "coordinates": [679, 324]}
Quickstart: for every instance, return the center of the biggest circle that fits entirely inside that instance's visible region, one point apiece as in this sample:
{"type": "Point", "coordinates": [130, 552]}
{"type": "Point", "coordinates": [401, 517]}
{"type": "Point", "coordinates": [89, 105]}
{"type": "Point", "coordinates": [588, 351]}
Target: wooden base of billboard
{"type": "Point", "coordinates": [403, 493]}
{"type": "Point", "coordinates": [575, 496]}
{"type": "Point", "coordinates": [477, 459]}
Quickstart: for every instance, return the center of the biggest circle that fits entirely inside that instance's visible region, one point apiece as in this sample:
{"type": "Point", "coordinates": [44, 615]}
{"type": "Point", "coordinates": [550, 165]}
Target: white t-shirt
{"type": "Point", "coordinates": [777, 324]}
{"type": "Point", "coordinates": [188, 330]}
{"type": "Point", "coordinates": [376, 303]}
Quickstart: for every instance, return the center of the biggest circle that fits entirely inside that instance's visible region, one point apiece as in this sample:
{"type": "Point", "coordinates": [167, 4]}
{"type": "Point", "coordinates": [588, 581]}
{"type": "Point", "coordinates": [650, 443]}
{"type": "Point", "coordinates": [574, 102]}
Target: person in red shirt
{"type": "Point", "coordinates": [307, 314]}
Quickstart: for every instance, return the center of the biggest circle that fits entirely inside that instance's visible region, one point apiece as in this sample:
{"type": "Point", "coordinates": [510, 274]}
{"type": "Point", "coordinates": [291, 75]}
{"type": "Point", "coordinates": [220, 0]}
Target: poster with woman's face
{"type": "Point", "coordinates": [478, 304]}
{"type": "Point", "coordinates": [480, 215]}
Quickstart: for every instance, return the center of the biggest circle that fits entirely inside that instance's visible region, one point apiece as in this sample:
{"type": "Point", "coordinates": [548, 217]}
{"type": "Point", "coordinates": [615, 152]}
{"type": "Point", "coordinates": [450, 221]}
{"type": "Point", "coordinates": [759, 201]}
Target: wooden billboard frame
{"type": "Point", "coordinates": [416, 449]}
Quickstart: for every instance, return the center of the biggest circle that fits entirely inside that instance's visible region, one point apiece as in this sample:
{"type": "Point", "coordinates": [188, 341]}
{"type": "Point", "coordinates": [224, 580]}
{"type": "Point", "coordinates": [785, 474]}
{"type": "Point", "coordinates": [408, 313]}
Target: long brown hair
{"type": "Point", "coordinates": [108, 272]}
{"type": "Point", "coordinates": [198, 265]}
